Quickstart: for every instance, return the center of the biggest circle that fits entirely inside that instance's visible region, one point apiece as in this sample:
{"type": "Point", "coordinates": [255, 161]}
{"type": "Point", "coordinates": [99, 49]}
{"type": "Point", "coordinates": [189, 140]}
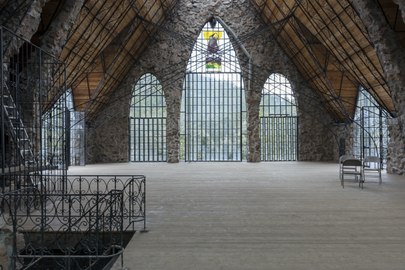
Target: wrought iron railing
{"type": "Point", "coordinates": [78, 225]}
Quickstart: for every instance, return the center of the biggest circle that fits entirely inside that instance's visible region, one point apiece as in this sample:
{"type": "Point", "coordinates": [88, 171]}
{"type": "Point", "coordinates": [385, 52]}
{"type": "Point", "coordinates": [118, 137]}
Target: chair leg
{"type": "Point", "coordinates": [342, 181]}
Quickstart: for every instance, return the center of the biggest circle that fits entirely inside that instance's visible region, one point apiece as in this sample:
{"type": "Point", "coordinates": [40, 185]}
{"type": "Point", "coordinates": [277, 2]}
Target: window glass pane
{"type": "Point", "coordinates": [370, 127]}
{"type": "Point", "coordinates": [147, 120]}
{"type": "Point", "coordinates": [213, 118]}
{"type": "Point", "coordinates": [278, 120]}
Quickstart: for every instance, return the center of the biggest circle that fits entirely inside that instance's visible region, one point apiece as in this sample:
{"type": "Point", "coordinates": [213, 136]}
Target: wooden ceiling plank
{"type": "Point", "coordinates": [123, 67]}
{"type": "Point", "coordinates": [83, 25]}
{"type": "Point", "coordinates": [102, 33]}
{"type": "Point", "coordinates": [318, 69]}
{"type": "Point", "coordinates": [345, 49]}
{"type": "Point", "coordinates": [305, 68]}
{"type": "Point", "coordinates": [374, 69]}
{"type": "Point", "coordinates": [117, 66]}
{"type": "Point", "coordinates": [79, 69]}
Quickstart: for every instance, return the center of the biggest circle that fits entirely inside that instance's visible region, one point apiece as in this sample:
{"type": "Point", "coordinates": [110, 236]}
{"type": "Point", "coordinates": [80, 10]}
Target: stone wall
{"type": "Point", "coordinates": [6, 247]}
{"type": "Point", "coordinates": [401, 5]}
{"type": "Point", "coordinates": [396, 147]}
{"type": "Point", "coordinates": [170, 50]}
{"type": "Point", "coordinates": [56, 36]}
{"type": "Point", "coordinates": [23, 19]}
{"type": "Point", "coordinates": [107, 137]}
{"type": "Point", "coordinates": [34, 75]}
{"type": "Point", "coordinates": [392, 57]}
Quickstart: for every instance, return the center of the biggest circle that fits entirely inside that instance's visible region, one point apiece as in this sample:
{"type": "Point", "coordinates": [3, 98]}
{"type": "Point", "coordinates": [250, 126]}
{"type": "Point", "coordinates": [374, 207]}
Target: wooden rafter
{"type": "Point", "coordinates": [104, 43]}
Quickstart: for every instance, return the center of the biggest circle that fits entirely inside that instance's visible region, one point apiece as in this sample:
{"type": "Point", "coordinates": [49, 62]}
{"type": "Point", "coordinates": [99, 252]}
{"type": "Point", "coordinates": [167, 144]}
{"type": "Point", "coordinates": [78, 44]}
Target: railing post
{"type": "Point", "coordinates": [14, 233]}
{"type": "Point", "coordinates": [122, 223]}
{"type": "Point", "coordinates": [144, 203]}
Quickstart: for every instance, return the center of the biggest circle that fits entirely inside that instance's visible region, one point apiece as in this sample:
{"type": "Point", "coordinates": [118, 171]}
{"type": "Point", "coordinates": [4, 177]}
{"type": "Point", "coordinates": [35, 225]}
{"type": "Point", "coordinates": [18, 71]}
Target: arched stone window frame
{"type": "Point", "coordinates": [278, 120]}
{"type": "Point", "coordinates": [213, 123]}
{"type": "Point", "coordinates": [147, 120]}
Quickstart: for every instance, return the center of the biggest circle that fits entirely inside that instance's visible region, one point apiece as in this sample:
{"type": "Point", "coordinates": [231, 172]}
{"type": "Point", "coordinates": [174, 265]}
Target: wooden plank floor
{"type": "Point", "coordinates": [283, 215]}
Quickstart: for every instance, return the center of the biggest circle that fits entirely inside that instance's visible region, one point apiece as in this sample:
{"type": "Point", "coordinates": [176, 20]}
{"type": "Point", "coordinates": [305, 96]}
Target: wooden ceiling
{"type": "Point", "coordinates": [105, 42]}
{"type": "Point", "coordinates": [325, 39]}
{"type": "Point", "coordinates": [329, 44]}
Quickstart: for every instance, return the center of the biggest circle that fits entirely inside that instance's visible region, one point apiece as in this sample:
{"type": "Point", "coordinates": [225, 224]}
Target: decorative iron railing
{"type": "Point", "coordinates": [76, 223]}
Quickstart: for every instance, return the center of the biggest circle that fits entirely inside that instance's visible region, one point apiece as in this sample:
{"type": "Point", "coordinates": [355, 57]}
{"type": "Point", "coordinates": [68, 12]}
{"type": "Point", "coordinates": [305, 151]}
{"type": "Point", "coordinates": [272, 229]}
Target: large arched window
{"type": "Point", "coordinates": [147, 121]}
{"type": "Point", "coordinates": [278, 120]}
{"type": "Point", "coordinates": [213, 118]}
{"type": "Point", "coordinates": [370, 127]}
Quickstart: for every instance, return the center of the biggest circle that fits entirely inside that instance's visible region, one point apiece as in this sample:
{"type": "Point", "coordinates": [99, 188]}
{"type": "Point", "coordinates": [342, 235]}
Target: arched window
{"type": "Point", "coordinates": [147, 121]}
{"type": "Point", "coordinates": [76, 126]}
{"type": "Point", "coordinates": [213, 114]}
{"type": "Point", "coordinates": [278, 120]}
{"type": "Point", "coordinates": [370, 127]}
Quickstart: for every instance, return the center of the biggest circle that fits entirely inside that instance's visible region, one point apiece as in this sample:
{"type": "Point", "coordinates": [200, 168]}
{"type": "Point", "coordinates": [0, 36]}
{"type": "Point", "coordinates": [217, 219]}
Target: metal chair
{"type": "Point", "coordinates": [352, 166]}
{"type": "Point", "coordinates": [372, 164]}
{"type": "Point", "coordinates": [341, 159]}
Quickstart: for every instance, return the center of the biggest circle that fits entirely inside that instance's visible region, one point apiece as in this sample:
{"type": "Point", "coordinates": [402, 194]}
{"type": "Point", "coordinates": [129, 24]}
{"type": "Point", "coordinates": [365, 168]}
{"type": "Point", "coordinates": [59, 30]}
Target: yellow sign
{"type": "Point", "coordinates": [208, 34]}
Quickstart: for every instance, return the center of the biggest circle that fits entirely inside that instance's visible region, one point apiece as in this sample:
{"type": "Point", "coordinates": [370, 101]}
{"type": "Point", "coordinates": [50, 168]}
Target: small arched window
{"type": "Point", "coordinates": [278, 120]}
{"type": "Point", "coordinates": [147, 121]}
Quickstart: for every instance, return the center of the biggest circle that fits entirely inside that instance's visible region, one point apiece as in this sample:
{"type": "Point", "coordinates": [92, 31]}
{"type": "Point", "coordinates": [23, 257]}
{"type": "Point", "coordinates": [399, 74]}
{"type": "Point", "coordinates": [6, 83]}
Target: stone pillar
{"type": "Point", "coordinates": [253, 98]}
{"type": "Point", "coordinates": [30, 21]}
{"type": "Point", "coordinates": [107, 135]}
{"type": "Point", "coordinates": [392, 57]}
{"type": "Point", "coordinates": [345, 140]}
{"type": "Point", "coordinates": [173, 100]}
{"type": "Point", "coordinates": [55, 38]}
{"type": "Point", "coordinates": [396, 147]}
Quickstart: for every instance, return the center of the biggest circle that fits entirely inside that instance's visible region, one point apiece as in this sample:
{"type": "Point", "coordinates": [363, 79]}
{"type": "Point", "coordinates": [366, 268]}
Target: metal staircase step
{"type": "Point", "coordinates": [17, 128]}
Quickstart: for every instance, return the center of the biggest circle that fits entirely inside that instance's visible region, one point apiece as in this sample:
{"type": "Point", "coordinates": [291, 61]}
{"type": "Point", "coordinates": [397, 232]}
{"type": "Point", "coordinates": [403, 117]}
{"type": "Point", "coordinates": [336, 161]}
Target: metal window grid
{"type": "Point", "coordinates": [278, 120]}
{"type": "Point", "coordinates": [213, 113]}
{"type": "Point", "coordinates": [76, 133]}
{"type": "Point", "coordinates": [148, 121]}
{"type": "Point", "coordinates": [371, 128]}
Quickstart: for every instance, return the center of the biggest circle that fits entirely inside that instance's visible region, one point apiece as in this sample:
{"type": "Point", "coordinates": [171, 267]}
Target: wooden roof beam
{"type": "Point", "coordinates": [80, 69]}
{"type": "Point", "coordinates": [353, 69]}
{"type": "Point", "coordinates": [320, 85]}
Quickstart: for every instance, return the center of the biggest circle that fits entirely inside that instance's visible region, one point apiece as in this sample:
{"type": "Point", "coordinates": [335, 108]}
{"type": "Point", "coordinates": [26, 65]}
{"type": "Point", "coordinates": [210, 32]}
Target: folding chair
{"type": "Point", "coordinates": [341, 159]}
{"type": "Point", "coordinates": [372, 164]}
{"type": "Point", "coordinates": [352, 166]}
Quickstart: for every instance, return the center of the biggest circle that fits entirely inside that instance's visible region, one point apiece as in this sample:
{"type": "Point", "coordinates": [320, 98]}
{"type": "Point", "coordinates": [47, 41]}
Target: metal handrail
{"type": "Point", "coordinates": [100, 205]}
